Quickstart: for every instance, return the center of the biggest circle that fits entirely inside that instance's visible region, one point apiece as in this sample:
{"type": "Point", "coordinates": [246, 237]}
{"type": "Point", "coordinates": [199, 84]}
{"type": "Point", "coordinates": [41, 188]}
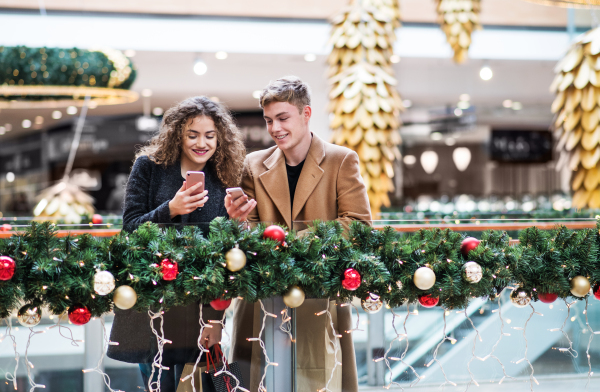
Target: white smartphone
{"type": "Point", "coordinates": [235, 193]}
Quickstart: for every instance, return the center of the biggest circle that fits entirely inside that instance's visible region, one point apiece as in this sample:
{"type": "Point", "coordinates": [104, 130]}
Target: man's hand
{"type": "Point", "coordinates": [184, 203]}
{"type": "Point", "coordinates": [211, 336]}
{"type": "Point", "coordinates": [240, 207]}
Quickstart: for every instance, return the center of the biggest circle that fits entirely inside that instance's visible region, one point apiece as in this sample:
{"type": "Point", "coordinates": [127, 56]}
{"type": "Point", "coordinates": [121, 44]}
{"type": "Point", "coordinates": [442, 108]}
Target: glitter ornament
{"type": "Point", "coordinates": [351, 279]}
{"type": "Point", "coordinates": [104, 282]}
{"type": "Point", "coordinates": [7, 268]}
{"type": "Point", "coordinates": [169, 269]}
{"type": "Point", "coordinates": [235, 259]}
{"type": "Point", "coordinates": [580, 286]}
{"type": "Point", "coordinates": [468, 244]}
{"type": "Point", "coordinates": [274, 232]}
{"type": "Point", "coordinates": [125, 297]}
{"type": "Point", "coordinates": [294, 297]}
{"type": "Point", "coordinates": [79, 314]}
{"type": "Point", "coordinates": [427, 301]}
{"type": "Point", "coordinates": [424, 278]}
{"type": "Point", "coordinates": [472, 272]}
{"type": "Point", "coordinates": [29, 316]}
{"type": "Point", "coordinates": [220, 304]}
{"type": "Point", "coordinates": [547, 298]}
{"type": "Point", "coordinates": [520, 298]}
{"type": "Point", "coordinates": [372, 304]}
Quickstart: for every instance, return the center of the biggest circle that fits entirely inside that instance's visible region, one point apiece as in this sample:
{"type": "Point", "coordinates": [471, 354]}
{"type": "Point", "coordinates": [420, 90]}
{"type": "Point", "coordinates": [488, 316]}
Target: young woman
{"type": "Point", "coordinates": [195, 135]}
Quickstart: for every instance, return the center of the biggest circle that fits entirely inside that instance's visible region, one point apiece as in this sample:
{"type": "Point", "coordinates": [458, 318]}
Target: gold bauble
{"type": "Point", "coordinates": [125, 297]}
{"type": "Point", "coordinates": [294, 297]}
{"type": "Point", "coordinates": [29, 316]}
{"type": "Point", "coordinates": [520, 297]}
{"type": "Point", "coordinates": [235, 259]}
{"type": "Point", "coordinates": [424, 278]}
{"type": "Point", "coordinates": [580, 286]}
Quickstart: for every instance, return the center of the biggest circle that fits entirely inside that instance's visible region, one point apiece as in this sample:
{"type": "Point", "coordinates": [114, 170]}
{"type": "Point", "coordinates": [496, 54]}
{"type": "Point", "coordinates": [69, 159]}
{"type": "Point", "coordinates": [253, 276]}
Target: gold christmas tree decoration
{"type": "Point", "coordinates": [577, 121]}
{"type": "Point", "coordinates": [459, 18]}
{"type": "Point", "coordinates": [364, 103]}
{"type": "Point", "coordinates": [64, 201]}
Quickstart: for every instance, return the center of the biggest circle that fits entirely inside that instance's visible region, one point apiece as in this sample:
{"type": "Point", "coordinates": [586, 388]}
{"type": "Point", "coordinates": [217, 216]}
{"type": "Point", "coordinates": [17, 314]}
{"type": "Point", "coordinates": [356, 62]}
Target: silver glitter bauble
{"type": "Point", "coordinates": [520, 298]}
{"type": "Point", "coordinates": [372, 304]}
{"type": "Point", "coordinates": [399, 284]}
{"type": "Point", "coordinates": [104, 282]}
{"type": "Point", "coordinates": [472, 272]}
{"type": "Point", "coordinates": [29, 316]}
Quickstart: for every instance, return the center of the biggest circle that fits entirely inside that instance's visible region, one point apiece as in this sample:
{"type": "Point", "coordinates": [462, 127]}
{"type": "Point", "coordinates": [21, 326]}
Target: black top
{"type": "Point", "coordinates": [293, 174]}
{"type": "Point", "coordinates": [149, 189]}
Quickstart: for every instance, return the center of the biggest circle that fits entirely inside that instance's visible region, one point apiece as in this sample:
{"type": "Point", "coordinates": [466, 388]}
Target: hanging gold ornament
{"type": "Point", "coordinates": [458, 20]}
{"type": "Point", "coordinates": [520, 298]}
{"type": "Point", "coordinates": [294, 297]}
{"type": "Point", "coordinates": [364, 103]}
{"type": "Point", "coordinates": [124, 297]}
{"type": "Point", "coordinates": [577, 117]}
{"type": "Point", "coordinates": [472, 272]}
{"type": "Point", "coordinates": [235, 259]}
{"type": "Point", "coordinates": [580, 286]}
{"type": "Point", "coordinates": [29, 316]}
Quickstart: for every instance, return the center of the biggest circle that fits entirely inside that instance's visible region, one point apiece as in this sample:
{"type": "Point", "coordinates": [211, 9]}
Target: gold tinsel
{"type": "Point", "coordinates": [64, 201]}
{"type": "Point", "coordinates": [458, 19]}
{"type": "Point", "coordinates": [364, 103]}
{"type": "Point", "coordinates": [577, 121]}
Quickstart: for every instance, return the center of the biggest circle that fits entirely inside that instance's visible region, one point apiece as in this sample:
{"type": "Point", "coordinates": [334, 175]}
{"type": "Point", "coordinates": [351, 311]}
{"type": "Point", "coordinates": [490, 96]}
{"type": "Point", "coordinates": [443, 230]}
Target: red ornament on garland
{"type": "Point", "coordinates": [427, 301]}
{"type": "Point", "coordinates": [351, 279]}
{"type": "Point", "coordinates": [468, 245]}
{"type": "Point", "coordinates": [7, 268]}
{"type": "Point", "coordinates": [169, 269]}
{"type": "Point", "coordinates": [6, 227]}
{"type": "Point", "coordinates": [79, 314]}
{"type": "Point", "coordinates": [220, 304]}
{"type": "Point", "coordinates": [547, 298]}
{"type": "Point", "coordinates": [274, 232]}
{"type": "Point", "coordinates": [597, 290]}
{"type": "Point", "coordinates": [96, 219]}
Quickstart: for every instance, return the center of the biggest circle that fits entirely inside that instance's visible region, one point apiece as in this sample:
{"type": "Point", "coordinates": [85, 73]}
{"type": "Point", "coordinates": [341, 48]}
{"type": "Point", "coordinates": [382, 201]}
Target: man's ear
{"type": "Point", "coordinates": [307, 112]}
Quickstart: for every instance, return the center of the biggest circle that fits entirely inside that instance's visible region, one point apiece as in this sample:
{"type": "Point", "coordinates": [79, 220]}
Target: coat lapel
{"type": "Point", "coordinates": [310, 176]}
{"type": "Point", "coordinates": [274, 180]}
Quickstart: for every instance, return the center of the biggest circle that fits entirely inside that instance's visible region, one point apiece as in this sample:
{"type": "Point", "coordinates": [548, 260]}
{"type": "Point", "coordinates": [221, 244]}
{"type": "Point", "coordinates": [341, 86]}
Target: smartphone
{"type": "Point", "coordinates": [235, 193]}
{"type": "Point", "coordinates": [194, 177]}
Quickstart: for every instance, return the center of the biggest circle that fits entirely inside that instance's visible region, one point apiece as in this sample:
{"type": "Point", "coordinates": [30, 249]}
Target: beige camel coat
{"type": "Point", "coordinates": [330, 187]}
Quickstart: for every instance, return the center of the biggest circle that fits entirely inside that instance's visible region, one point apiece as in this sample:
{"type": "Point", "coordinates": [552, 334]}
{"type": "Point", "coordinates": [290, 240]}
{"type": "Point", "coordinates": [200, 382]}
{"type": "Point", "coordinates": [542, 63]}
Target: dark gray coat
{"type": "Point", "coordinates": [149, 189]}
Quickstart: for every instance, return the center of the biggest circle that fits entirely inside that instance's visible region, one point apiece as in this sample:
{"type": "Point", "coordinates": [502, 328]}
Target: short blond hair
{"type": "Point", "coordinates": [288, 89]}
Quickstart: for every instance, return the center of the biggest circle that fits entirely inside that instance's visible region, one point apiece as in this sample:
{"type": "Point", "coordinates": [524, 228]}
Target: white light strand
{"type": "Point", "coordinates": [434, 359]}
{"type": "Point", "coordinates": [592, 333]}
{"type": "Point", "coordinates": [203, 350]}
{"type": "Point", "coordinates": [532, 379]}
{"type": "Point", "coordinates": [357, 317]}
{"type": "Point", "coordinates": [261, 386]}
{"type": "Point", "coordinates": [28, 364]}
{"type": "Point", "coordinates": [160, 341]}
{"type": "Point", "coordinates": [335, 342]}
{"type": "Point", "coordinates": [224, 369]}
{"type": "Point", "coordinates": [569, 350]}
{"type": "Point", "coordinates": [477, 335]}
{"type": "Point", "coordinates": [8, 376]}
{"type": "Point", "coordinates": [399, 337]}
{"type": "Point", "coordinates": [286, 323]}
{"type": "Point", "coordinates": [74, 342]}
{"type": "Point", "coordinates": [98, 368]}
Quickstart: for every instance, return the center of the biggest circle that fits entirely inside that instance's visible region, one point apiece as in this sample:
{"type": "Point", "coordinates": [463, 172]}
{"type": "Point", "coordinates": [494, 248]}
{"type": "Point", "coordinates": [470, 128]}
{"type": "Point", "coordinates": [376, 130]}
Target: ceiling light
{"type": "Point", "coordinates": [39, 120]}
{"type": "Point", "coordinates": [407, 103]}
{"type": "Point", "coordinates": [221, 55]}
{"type": "Point", "coordinates": [450, 141]}
{"type": "Point", "coordinates": [2, 130]}
{"type": "Point", "coordinates": [10, 176]}
{"type": "Point", "coordinates": [310, 57]}
{"type": "Point", "coordinates": [517, 106]}
{"type": "Point", "coordinates": [394, 59]}
{"type": "Point", "coordinates": [57, 114]}
{"type": "Point", "coordinates": [436, 136]}
{"type": "Point", "coordinates": [507, 103]}
{"type": "Point", "coordinates": [463, 105]}
{"type": "Point", "coordinates": [215, 99]}
{"type": "Point", "coordinates": [200, 67]}
{"type": "Point", "coordinates": [458, 112]}
{"type": "Point", "coordinates": [93, 105]}
{"type": "Point", "coordinates": [461, 157]}
{"type": "Point", "coordinates": [146, 92]}
{"type": "Point", "coordinates": [429, 161]}
{"type": "Point", "coordinates": [464, 97]}
{"type": "Point", "coordinates": [256, 93]}
{"type": "Point", "coordinates": [486, 73]}
{"type": "Point", "coordinates": [157, 111]}
{"type": "Point", "coordinates": [26, 124]}
{"type": "Point", "coordinates": [130, 53]}
{"type": "Point", "coordinates": [71, 110]}
{"type": "Point", "coordinates": [410, 160]}
{"type": "Point", "coordinates": [8, 127]}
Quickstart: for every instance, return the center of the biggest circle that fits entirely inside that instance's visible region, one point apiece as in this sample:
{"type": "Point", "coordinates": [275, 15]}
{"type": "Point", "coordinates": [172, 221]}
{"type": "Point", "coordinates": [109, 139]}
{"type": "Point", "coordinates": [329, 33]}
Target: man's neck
{"type": "Point", "coordinates": [298, 154]}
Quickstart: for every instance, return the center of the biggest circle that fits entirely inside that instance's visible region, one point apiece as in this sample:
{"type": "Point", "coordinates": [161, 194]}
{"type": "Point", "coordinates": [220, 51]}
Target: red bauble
{"type": "Point", "coordinates": [96, 219]}
{"type": "Point", "coordinates": [79, 314]}
{"type": "Point", "coordinates": [220, 304]}
{"type": "Point", "coordinates": [428, 301]}
{"type": "Point", "coordinates": [6, 227]}
{"type": "Point", "coordinates": [274, 232]}
{"type": "Point", "coordinates": [351, 279]}
{"type": "Point", "coordinates": [547, 298]}
{"type": "Point", "coordinates": [468, 245]}
{"type": "Point", "coordinates": [169, 269]}
{"type": "Point", "coordinates": [7, 268]}
{"type": "Point", "coordinates": [597, 290]}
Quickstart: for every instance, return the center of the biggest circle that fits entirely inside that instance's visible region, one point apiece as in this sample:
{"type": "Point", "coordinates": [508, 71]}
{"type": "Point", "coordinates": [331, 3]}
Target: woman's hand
{"type": "Point", "coordinates": [184, 203]}
{"type": "Point", "coordinates": [211, 336]}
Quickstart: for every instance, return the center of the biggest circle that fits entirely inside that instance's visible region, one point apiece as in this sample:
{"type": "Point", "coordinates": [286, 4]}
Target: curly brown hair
{"type": "Point", "coordinates": [228, 159]}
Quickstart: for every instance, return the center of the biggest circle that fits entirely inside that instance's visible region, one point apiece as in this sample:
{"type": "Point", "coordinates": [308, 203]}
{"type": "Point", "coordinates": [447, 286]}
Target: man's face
{"type": "Point", "coordinates": [285, 125]}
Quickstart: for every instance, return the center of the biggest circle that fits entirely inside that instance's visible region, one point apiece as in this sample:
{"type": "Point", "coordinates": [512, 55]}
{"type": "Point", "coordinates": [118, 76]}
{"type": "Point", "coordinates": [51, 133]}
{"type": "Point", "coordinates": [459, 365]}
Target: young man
{"type": "Point", "coordinates": [323, 182]}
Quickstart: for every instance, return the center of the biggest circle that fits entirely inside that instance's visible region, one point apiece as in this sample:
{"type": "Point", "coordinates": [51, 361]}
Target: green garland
{"type": "Point", "coordinates": [59, 272]}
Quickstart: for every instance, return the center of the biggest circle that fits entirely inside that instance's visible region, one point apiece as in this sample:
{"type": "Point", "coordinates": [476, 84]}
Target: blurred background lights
{"type": "Point", "coordinates": [221, 55]}
{"type": "Point", "coordinates": [200, 67]}
{"type": "Point", "coordinates": [461, 157]}
{"type": "Point", "coordinates": [256, 94]}
{"type": "Point", "coordinates": [26, 123]}
{"type": "Point", "coordinates": [407, 103]}
{"type": "Point", "coordinates": [429, 161]}
{"type": "Point", "coordinates": [157, 111]}
{"type": "Point", "coordinates": [463, 105]}
{"type": "Point", "coordinates": [464, 97]}
{"type": "Point", "coordinates": [310, 57]}
{"type": "Point", "coordinates": [2, 130]}
{"type": "Point", "coordinates": [507, 103]}
{"type": "Point", "coordinates": [517, 106]}
{"type": "Point", "coordinates": [450, 141]}
{"type": "Point", "coordinates": [71, 110]}
{"type": "Point", "coordinates": [130, 53]}
{"type": "Point", "coordinates": [394, 59]}
{"type": "Point", "coordinates": [10, 176]}
{"type": "Point", "coordinates": [57, 114]}
{"type": "Point", "coordinates": [146, 92]}
{"type": "Point", "coordinates": [486, 73]}
{"type": "Point", "coordinates": [436, 136]}
{"type": "Point", "coordinates": [215, 99]}
{"type": "Point", "coordinates": [410, 160]}
{"type": "Point", "coordinates": [458, 112]}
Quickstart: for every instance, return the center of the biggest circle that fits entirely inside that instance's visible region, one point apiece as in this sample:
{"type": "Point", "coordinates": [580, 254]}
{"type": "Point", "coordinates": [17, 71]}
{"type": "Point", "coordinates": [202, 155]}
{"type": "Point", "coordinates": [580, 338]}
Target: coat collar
{"type": "Point", "coordinates": [275, 179]}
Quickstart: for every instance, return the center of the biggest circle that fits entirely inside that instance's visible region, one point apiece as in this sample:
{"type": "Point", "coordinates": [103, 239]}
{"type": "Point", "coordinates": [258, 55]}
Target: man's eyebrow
{"type": "Point", "coordinates": [277, 115]}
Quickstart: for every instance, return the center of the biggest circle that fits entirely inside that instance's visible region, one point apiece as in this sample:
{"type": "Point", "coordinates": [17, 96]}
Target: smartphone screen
{"type": "Point", "coordinates": [192, 178]}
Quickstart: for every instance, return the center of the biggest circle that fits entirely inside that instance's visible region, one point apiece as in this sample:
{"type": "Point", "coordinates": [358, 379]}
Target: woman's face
{"type": "Point", "coordinates": [199, 141]}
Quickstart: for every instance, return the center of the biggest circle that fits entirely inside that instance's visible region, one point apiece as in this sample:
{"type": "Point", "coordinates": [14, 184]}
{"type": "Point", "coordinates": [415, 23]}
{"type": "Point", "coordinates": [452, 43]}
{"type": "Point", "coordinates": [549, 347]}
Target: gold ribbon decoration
{"type": "Point", "coordinates": [459, 18]}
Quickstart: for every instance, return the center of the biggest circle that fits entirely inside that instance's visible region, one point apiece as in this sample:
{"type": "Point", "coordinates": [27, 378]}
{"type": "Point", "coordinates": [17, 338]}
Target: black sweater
{"type": "Point", "coordinates": [149, 189]}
